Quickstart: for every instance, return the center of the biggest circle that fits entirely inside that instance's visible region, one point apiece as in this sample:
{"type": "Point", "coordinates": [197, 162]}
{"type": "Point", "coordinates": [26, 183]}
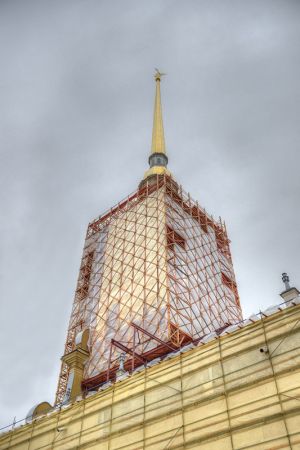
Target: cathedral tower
{"type": "Point", "coordinates": [156, 273]}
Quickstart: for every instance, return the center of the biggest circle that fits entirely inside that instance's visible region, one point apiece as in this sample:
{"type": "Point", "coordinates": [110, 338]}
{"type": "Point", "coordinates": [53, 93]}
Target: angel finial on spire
{"type": "Point", "coordinates": [158, 74]}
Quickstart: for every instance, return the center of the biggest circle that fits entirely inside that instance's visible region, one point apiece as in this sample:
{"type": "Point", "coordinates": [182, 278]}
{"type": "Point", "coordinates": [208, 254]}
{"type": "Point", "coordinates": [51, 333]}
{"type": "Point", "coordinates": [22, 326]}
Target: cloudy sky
{"type": "Point", "coordinates": [75, 130]}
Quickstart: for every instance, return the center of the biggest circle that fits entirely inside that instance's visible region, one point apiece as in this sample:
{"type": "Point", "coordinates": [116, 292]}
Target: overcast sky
{"type": "Point", "coordinates": [76, 109]}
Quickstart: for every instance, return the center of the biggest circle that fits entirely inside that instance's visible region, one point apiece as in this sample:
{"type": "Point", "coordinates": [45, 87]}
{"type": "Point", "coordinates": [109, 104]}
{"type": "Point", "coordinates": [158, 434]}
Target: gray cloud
{"type": "Point", "coordinates": [76, 111]}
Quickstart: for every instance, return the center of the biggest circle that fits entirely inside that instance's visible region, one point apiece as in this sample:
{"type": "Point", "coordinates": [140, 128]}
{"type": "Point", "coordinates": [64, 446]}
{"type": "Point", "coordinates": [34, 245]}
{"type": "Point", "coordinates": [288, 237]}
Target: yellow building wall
{"type": "Point", "coordinates": [223, 395]}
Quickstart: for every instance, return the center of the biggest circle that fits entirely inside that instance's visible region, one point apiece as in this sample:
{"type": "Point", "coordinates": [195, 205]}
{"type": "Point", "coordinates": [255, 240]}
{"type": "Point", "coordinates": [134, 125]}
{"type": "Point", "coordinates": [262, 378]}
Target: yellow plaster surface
{"type": "Point", "coordinates": [222, 395]}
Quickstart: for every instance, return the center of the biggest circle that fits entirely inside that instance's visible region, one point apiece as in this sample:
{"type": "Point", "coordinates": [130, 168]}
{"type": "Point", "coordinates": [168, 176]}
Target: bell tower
{"type": "Point", "coordinates": [156, 273]}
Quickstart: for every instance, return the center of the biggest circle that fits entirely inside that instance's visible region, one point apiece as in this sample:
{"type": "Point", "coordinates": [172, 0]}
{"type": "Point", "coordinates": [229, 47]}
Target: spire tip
{"type": "Point", "coordinates": [158, 74]}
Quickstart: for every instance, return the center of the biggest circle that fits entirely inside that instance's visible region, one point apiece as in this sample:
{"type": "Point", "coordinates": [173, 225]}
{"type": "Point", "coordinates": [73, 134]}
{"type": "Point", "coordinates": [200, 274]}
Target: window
{"type": "Point", "coordinates": [85, 275]}
{"type": "Point", "coordinates": [174, 238]}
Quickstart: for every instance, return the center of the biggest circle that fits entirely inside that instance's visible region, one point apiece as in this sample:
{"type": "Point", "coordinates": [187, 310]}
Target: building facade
{"type": "Point", "coordinates": [239, 390]}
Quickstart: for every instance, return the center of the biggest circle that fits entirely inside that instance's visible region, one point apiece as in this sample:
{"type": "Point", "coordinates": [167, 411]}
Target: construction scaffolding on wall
{"type": "Point", "coordinates": [156, 273]}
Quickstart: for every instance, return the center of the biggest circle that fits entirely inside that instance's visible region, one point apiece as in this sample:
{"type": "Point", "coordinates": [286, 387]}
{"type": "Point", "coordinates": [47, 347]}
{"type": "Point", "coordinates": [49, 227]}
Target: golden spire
{"type": "Point", "coordinates": [158, 159]}
{"type": "Point", "coordinates": [158, 137]}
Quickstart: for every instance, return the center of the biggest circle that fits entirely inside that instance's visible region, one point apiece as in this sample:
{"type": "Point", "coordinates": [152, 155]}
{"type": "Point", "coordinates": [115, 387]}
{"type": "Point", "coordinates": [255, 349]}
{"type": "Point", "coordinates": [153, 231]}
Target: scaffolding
{"type": "Point", "coordinates": [156, 273]}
